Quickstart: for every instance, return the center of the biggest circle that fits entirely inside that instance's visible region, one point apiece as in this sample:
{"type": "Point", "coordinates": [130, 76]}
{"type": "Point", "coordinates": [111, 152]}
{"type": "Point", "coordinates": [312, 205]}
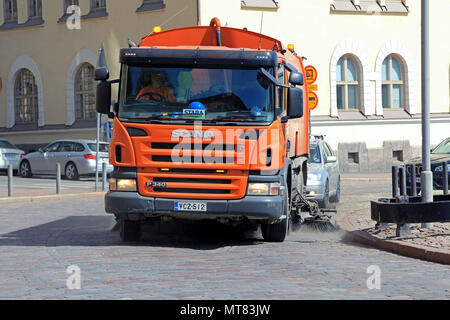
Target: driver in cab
{"type": "Point", "coordinates": [157, 89]}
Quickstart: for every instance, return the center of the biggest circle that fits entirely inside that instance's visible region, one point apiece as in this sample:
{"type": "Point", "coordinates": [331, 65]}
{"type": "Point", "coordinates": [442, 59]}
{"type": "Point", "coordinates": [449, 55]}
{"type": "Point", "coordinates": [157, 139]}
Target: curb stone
{"type": "Point", "coordinates": [394, 246]}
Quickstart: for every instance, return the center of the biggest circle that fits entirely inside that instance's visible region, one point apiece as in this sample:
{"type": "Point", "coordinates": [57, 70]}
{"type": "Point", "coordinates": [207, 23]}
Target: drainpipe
{"type": "Point", "coordinates": [215, 22]}
{"type": "Point", "coordinates": [199, 20]}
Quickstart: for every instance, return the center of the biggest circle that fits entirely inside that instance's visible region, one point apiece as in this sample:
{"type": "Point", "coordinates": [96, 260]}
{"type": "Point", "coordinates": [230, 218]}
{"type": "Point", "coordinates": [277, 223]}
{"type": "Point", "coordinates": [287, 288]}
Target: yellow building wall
{"type": "Point", "coordinates": [53, 46]}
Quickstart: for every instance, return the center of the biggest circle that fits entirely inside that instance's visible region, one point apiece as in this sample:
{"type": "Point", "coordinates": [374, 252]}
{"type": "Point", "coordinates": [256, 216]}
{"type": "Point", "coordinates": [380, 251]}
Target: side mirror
{"type": "Point", "coordinates": [40, 150]}
{"type": "Point", "coordinates": [104, 97]}
{"type": "Point", "coordinates": [295, 103]}
{"type": "Point", "coordinates": [331, 159]}
{"type": "Point", "coordinates": [101, 74]}
{"type": "Point", "coordinates": [296, 78]}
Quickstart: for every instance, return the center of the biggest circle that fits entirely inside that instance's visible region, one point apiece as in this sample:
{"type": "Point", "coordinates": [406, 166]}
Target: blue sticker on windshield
{"type": "Point", "coordinates": [256, 111]}
{"type": "Point", "coordinates": [197, 105]}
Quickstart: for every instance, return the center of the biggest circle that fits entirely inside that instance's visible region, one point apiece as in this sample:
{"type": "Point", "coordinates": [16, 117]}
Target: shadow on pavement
{"type": "Point", "coordinates": [93, 231]}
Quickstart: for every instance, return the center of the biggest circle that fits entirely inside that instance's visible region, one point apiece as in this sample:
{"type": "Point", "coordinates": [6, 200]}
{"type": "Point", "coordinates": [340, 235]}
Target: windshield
{"type": "Point", "coordinates": [443, 148]}
{"type": "Point", "coordinates": [103, 147]}
{"type": "Point", "coordinates": [6, 145]}
{"type": "Point", "coordinates": [201, 94]}
{"type": "Point", "coordinates": [314, 154]}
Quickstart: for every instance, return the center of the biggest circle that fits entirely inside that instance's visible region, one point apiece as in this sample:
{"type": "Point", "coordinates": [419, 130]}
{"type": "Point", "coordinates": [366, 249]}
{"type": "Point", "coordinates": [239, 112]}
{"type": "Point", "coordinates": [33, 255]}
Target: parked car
{"type": "Point", "coordinates": [9, 154]}
{"type": "Point", "coordinates": [324, 179]}
{"type": "Point", "coordinates": [77, 158]}
{"type": "Point", "coordinates": [438, 155]}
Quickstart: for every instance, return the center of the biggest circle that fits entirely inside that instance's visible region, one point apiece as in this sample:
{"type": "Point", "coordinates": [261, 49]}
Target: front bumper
{"type": "Point", "coordinates": [315, 192]}
{"type": "Point", "coordinates": [124, 204]}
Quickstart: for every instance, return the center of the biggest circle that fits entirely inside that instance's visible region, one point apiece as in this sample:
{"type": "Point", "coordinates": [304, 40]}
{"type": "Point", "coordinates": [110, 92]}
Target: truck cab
{"type": "Point", "coordinates": [212, 123]}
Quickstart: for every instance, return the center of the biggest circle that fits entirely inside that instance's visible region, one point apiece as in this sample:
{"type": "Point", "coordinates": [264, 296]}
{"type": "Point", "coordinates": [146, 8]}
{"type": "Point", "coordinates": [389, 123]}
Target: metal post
{"type": "Point", "coordinates": [10, 180]}
{"type": "Point", "coordinates": [427, 174]}
{"type": "Point", "coordinates": [445, 177]}
{"type": "Point", "coordinates": [96, 154]}
{"type": "Point", "coordinates": [413, 181]}
{"type": "Point", "coordinates": [58, 178]}
{"type": "Point", "coordinates": [104, 176]}
{"type": "Point", "coordinates": [403, 181]}
{"type": "Point", "coordinates": [394, 181]}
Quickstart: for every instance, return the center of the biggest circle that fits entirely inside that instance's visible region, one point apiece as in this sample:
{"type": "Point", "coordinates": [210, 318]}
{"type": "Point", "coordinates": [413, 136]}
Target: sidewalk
{"type": "Point", "coordinates": [366, 177]}
{"type": "Point", "coordinates": [428, 244]}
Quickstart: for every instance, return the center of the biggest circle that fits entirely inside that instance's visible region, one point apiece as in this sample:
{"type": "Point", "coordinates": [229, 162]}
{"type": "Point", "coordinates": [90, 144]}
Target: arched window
{"type": "Point", "coordinates": [348, 91]}
{"type": "Point", "coordinates": [26, 97]}
{"type": "Point", "coordinates": [85, 93]}
{"type": "Point", "coordinates": [393, 87]}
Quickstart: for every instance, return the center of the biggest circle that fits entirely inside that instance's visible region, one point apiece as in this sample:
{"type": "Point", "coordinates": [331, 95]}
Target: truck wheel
{"type": "Point", "coordinates": [277, 232]}
{"type": "Point", "coordinates": [130, 230]}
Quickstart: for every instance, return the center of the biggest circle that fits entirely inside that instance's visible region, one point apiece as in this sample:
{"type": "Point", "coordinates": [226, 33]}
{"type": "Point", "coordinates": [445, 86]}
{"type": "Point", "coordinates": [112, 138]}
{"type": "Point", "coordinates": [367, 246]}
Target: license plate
{"type": "Point", "coordinates": [190, 206]}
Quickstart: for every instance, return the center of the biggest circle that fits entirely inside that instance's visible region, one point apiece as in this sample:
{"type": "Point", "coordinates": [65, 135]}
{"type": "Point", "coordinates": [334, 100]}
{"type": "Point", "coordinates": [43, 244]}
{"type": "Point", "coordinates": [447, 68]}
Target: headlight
{"type": "Point", "coordinates": [122, 185]}
{"type": "Point", "coordinates": [263, 189]}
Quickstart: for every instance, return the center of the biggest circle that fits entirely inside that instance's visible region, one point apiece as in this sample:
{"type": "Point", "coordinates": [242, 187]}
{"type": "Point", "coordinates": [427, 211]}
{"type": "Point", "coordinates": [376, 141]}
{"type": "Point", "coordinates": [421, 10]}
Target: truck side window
{"type": "Point", "coordinates": [281, 91]}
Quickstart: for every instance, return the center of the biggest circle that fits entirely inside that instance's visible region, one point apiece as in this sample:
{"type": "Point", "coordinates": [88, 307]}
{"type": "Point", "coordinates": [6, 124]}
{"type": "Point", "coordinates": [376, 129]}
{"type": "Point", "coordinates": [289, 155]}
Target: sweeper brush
{"type": "Point", "coordinates": [308, 214]}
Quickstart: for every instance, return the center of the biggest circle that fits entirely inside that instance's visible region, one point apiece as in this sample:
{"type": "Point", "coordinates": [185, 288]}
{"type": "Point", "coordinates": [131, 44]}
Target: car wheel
{"type": "Point", "coordinates": [71, 171]}
{"type": "Point", "coordinates": [277, 232]}
{"type": "Point", "coordinates": [325, 202]}
{"type": "Point", "coordinates": [337, 197]}
{"type": "Point", "coordinates": [130, 230]}
{"type": "Point", "coordinates": [25, 170]}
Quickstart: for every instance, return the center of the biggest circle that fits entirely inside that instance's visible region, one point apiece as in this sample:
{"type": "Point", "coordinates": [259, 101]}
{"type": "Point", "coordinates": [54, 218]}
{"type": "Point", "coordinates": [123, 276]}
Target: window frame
{"type": "Point", "coordinates": [347, 83]}
{"type": "Point", "coordinates": [391, 83]}
{"type": "Point", "coordinates": [36, 5]}
{"type": "Point", "coordinates": [34, 96]}
{"type": "Point", "coordinates": [99, 8]}
{"type": "Point", "coordinates": [281, 98]}
{"type": "Point", "coordinates": [80, 75]}
{"type": "Point", "coordinates": [13, 12]}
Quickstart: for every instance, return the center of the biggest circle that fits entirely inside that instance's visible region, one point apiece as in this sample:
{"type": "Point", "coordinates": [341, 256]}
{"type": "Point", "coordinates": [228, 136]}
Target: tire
{"type": "Point", "coordinates": [130, 230]}
{"type": "Point", "coordinates": [71, 172]}
{"type": "Point", "coordinates": [325, 202]}
{"type": "Point", "coordinates": [278, 232]}
{"type": "Point", "coordinates": [25, 169]}
{"type": "Point", "coordinates": [337, 197]}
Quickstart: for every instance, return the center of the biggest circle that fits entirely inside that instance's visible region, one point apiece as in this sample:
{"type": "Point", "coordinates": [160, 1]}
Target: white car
{"type": "Point", "coordinates": [10, 155]}
{"type": "Point", "coordinates": [76, 157]}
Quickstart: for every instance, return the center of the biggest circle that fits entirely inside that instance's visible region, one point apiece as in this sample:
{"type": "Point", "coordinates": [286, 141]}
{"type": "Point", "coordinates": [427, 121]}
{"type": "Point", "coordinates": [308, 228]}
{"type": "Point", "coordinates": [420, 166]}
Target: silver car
{"type": "Point", "coordinates": [9, 155]}
{"type": "Point", "coordinates": [324, 179]}
{"type": "Point", "coordinates": [77, 158]}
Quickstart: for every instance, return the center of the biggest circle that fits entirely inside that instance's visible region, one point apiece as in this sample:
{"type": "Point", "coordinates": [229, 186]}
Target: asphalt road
{"type": "Point", "coordinates": [39, 241]}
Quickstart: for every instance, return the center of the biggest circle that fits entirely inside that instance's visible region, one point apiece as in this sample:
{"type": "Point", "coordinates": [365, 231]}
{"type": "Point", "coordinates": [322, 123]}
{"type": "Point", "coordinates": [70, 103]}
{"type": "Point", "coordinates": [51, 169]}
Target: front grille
{"type": "Point", "coordinates": [196, 171]}
{"type": "Point", "coordinates": [188, 146]}
{"type": "Point", "coordinates": [189, 171]}
{"type": "Point", "coordinates": [193, 180]}
{"type": "Point", "coordinates": [193, 159]}
{"type": "Point", "coordinates": [194, 191]}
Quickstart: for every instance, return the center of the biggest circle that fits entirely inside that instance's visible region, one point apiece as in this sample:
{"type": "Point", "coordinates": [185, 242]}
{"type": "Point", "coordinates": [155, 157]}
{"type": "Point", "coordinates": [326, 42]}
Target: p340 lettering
{"type": "Point", "coordinates": [156, 184]}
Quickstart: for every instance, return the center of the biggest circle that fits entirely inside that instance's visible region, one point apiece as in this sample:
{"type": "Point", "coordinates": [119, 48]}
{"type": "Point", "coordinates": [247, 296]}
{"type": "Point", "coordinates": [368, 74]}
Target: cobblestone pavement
{"type": "Point", "coordinates": [38, 241]}
{"type": "Point", "coordinates": [436, 237]}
